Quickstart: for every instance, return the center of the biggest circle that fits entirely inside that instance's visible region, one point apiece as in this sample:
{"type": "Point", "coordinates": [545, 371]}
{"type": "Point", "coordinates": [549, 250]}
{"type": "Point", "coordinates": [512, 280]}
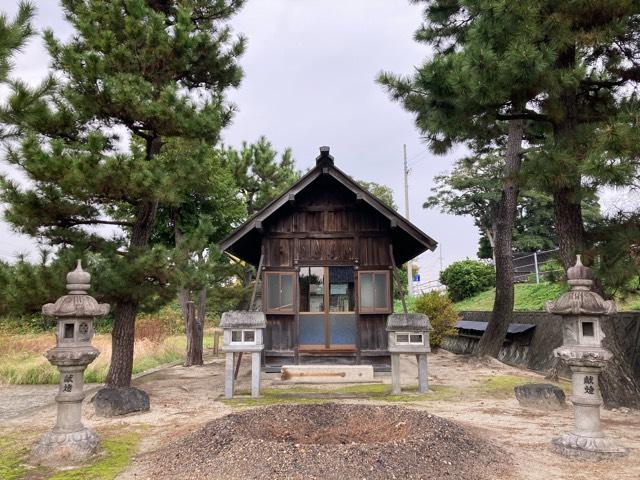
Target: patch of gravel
{"type": "Point", "coordinates": [329, 441]}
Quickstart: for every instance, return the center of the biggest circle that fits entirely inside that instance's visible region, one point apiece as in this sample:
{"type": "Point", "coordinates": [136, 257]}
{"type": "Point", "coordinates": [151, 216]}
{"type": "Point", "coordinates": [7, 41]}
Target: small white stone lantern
{"type": "Point", "coordinates": [408, 334]}
{"type": "Point", "coordinates": [242, 333]}
{"type": "Point", "coordinates": [583, 312]}
{"type": "Point", "coordinates": [70, 441]}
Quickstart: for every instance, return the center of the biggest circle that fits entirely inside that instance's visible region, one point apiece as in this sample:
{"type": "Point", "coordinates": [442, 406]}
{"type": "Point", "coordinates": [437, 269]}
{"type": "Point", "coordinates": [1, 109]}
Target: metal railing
{"type": "Point", "coordinates": [420, 288]}
{"type": "Point", "coordinates": [536, 266]}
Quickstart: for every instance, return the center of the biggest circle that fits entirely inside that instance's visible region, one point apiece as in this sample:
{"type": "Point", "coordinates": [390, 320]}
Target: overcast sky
{"type": "Point", "coordinates": [310, 71]}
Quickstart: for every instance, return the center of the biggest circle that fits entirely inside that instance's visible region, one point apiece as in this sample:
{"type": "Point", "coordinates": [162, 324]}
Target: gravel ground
{"type": "Point", "coordinates": [329, 441]}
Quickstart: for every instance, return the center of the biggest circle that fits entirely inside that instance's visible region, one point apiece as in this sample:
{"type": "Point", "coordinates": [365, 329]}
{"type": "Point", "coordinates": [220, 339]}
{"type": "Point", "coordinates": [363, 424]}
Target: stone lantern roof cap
{"type": "Point", "coordinates": [415, 322]}
{"type": "Point", "coordinates": [243, 319]}
{"type": "Point", "coordinates": [580, 300]}
{"type": "Point", "coordinates": [78, 303]}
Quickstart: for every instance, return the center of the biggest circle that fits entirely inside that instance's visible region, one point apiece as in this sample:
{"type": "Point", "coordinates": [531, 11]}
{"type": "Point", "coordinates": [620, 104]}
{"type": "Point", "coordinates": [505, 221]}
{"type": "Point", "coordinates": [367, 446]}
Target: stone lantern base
{"type": "Point", "coordinates": [572, 445]}
{"type": "Point", "coordinates": [59, 448]}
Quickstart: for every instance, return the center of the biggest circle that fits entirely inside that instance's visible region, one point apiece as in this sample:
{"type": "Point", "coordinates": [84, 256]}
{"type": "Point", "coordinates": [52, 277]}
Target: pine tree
{"type": "Point", "coordinates": [473, 188]}
{"type": "Point", "coordinates": [569, 69]}
{"type": "Point", "coordinates": [488, 63]}
{"type": "Point", "coordinates": [206, 208]}
{"type": "Point", "coordinates": [135, 75]}
{"type": "Point", "coordinates": [261, 175]}
{"type": "Point", "coordinates": [13, 36]}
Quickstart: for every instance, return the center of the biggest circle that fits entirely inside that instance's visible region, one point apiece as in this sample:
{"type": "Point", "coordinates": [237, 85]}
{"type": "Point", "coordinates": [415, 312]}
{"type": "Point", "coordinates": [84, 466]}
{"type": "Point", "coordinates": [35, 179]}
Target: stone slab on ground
{"type": "Point", "coordinates": [541, 396]}
{"type": "Point", "coordinates": [327, 373]}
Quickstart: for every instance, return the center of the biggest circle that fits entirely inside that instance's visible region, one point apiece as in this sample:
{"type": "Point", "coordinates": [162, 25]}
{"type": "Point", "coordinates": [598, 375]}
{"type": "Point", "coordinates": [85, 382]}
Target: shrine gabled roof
{"type": "Point", "coordinates": [324, 166]}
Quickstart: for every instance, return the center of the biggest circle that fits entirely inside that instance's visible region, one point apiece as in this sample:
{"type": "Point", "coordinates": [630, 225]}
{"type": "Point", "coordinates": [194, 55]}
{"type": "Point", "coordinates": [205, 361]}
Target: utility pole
{"type": "Point", "coordinates": [406, 214]}
{"type": "Point", "coordinates": [440, 250]}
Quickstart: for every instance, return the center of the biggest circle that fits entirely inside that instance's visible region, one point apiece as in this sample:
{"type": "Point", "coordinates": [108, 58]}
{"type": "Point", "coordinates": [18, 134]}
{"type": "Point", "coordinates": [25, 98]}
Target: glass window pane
{"type": "Point", "coordinates": [286, 292]}
{"type": "Point", "coordinates": [236, 335]}
{"type": "Point", "coordinates": [312, 329]}
{"type": "Point", "coordinates": [311, 283]}
{"type": "Point", "coordinates": [273, 290]}
{"type": "Point", "coordinates": [381, 293]}
{"type": "Point", "coordinates": [342, 328]}
{"type": "Point", "coordinates": [366, 290]}
{"type": "Point", "coordinates": [249, 336]}
{"type": "Point", "coordinates": [341, 285]}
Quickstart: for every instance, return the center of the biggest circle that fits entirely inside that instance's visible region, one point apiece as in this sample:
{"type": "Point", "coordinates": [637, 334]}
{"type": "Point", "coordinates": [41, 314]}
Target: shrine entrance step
{"type": "Point", "coordinates": [327, 374]}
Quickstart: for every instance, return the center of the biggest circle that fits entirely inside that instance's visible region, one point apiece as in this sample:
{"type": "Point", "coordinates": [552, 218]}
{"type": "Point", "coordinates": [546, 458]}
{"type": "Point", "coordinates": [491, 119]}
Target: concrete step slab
{"type": "Point", "coordinates": [327, 374]}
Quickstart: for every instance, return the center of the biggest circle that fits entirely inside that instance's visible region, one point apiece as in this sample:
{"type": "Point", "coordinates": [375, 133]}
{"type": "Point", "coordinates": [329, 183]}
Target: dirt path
{"type": "Point", "coordinates": [183, 400]}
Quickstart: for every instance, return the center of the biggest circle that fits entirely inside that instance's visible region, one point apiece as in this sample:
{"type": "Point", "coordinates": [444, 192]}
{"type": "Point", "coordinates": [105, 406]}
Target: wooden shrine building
{"type": "Point", "coordinates": [325, 251]}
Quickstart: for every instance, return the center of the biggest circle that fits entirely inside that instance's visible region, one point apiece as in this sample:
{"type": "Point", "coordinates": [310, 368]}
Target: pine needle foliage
{"type": "Point", "coordinates": [94, 139]}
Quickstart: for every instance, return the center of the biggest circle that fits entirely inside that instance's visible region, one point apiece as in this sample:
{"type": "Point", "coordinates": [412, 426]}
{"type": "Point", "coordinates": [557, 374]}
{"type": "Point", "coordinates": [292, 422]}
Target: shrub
{"type": "Point", "coordinates": [442, 315]}
{"type": "Point", "coordinates": [467, 278]}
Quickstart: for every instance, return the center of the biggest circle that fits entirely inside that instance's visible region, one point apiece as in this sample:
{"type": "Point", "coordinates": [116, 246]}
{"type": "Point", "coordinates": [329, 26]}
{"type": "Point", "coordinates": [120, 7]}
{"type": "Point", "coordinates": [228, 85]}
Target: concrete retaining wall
{"type": "Point", "coordinates": [536, 350]}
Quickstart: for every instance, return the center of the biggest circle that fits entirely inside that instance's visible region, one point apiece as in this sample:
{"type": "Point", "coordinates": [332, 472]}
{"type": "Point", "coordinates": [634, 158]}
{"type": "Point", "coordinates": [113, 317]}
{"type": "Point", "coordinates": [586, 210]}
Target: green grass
{"type": "Point", "coordinates": [410, 302]}
{"type": "Point", "coordinates": [528, 296]}
{"type": "Point", "coordinates": [378, 391]}
{"type": "Point", "coordinates": [11, 455]}
{"type": "Point", "coordinates": [115, 455]}
{"type": "Point", "coordinates": [118, 451]}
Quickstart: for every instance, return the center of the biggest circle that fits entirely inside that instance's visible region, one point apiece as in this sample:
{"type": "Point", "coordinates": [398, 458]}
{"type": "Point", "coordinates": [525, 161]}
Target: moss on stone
{"type": "Point", "coordinates": [117, 453]}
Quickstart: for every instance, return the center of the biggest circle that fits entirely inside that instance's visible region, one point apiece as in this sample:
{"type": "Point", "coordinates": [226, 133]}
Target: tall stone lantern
{"type": "Point", "coordinates": [583, 312]}
{"type": "Point", "coordinates": [70, 440]}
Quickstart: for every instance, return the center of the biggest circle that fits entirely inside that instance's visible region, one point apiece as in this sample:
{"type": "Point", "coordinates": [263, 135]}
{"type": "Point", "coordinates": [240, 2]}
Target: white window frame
{"type": "Point", "coordinates": [409, 335]}
{"type": "Point", "coordinates": [242, 334]}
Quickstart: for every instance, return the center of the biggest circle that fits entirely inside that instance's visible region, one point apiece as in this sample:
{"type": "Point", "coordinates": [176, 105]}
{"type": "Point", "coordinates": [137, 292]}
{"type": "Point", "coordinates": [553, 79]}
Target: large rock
{"type": "Point", "coordinates": [111, 402]}
{"type": "Point", "coordinates": [542, 396]}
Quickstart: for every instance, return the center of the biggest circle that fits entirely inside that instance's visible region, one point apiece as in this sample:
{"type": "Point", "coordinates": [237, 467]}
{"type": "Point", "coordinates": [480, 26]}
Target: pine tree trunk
{"type": "Point", "coordinates": [195, 330]}
{"type": "Point", "coordinates": [122, 341]}
{"type": "Point", "coordinates": [122, 337]}
{"type": "Point", "coordinates": [184, 297]}
{"type": "Point", "coordinates": [567, 210]}
{"type": "Point", "coordinates": [491, 341]}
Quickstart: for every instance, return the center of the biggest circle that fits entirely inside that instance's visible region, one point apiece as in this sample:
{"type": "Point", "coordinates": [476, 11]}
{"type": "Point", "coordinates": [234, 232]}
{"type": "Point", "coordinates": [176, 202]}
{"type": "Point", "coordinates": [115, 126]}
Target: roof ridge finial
{"type": "Point", "coordinates": [324, 158]}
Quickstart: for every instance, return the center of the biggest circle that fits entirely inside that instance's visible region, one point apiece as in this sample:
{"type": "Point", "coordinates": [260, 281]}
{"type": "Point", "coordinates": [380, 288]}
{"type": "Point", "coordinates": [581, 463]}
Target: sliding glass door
{"type": "Point", "coordinates": [327, 318]}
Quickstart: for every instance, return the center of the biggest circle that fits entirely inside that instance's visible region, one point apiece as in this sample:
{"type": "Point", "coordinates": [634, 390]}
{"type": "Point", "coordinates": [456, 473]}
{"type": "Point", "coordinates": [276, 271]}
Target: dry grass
{"type": "Point", "coordinates": [157, 342]}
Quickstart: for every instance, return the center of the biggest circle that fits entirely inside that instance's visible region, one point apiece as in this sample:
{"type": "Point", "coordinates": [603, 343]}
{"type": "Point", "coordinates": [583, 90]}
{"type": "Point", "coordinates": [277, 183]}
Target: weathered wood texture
{"type": "Point", "coordinates": [327, 225]}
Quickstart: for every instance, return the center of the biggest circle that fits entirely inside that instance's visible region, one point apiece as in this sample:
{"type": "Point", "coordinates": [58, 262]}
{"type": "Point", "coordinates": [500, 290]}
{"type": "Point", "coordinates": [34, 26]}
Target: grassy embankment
{"type": "Point", "coordinates": [528, 297]}
{"type": "Point", "coordinates": [158, 341]}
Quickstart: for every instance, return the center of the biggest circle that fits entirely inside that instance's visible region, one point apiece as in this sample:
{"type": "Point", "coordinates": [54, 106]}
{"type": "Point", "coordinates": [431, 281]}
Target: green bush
{"type": "Point", "coordinates": [467, 278]}
{"type": "Point", "coordinates": [442, 315]}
